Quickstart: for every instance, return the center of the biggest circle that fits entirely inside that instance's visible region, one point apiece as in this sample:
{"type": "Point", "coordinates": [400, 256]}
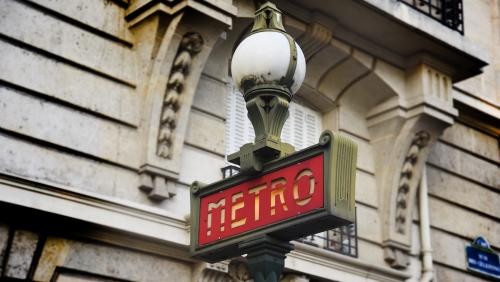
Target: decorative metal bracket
{"type": "Point", "coordinates": [267, 110]}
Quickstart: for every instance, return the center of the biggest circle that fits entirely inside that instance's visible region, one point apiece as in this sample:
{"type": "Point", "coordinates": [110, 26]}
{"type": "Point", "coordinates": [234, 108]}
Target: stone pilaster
{"type": "Point", "coordinates": [403, 129]}
{"type": "Point", "coordinates": [173, 40]}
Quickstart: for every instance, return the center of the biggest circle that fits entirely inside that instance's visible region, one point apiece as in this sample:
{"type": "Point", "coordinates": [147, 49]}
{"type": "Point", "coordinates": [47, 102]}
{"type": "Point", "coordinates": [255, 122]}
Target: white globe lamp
{"type": "Point", "coordinates": [268, 67]}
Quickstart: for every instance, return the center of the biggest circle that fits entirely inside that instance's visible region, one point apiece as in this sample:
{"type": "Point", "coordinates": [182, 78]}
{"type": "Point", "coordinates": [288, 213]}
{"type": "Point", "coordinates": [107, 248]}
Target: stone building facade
{"type": "Point", "coordinates": [109, 109]}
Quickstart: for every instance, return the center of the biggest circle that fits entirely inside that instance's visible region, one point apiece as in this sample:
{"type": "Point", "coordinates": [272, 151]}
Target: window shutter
{"type": "Point", "coordinates": [301, 129]}
{"type": "Point", "coordinates": [239, 129]}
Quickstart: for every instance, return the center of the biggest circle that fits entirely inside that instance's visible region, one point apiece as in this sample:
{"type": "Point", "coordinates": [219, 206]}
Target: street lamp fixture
{"type": "Point", "coordinates": [268, 67]}
{"type": "Point", "coordinates": [307, 192]}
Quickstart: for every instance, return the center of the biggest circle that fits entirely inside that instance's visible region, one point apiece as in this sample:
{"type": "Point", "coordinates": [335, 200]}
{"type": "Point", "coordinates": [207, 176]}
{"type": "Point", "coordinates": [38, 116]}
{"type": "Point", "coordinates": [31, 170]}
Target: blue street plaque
{"type": "Point", "coordinates": [482, 259]}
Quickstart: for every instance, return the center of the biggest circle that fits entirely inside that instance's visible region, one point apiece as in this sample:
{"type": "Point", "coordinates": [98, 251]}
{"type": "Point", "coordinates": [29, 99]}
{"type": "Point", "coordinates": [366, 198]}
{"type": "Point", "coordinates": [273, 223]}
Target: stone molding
{"type": "Point", "coordinates": [316, 37]}
{"type": "Point", "coordinates": [156, 183]}
{"type": "Point", "coordinates": [312, 260]}
{"type": "Point", "coordinates": [238, 271]}
{"type": "Point", "coordinates": [221, 11]}
{"type": "Point", "coordinates": [121, 215]}
{"type": "Point", "coordinates": [396, 256]}
{"type": "Point", "coordinates": [211, 272]}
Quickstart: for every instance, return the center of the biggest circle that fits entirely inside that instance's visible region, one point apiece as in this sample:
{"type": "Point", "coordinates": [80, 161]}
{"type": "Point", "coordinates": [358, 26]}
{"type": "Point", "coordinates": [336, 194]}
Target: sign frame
{"type": "Point", "coordinates": [481, 247]}
{"type": "Point", "coordinates": [339, 175]}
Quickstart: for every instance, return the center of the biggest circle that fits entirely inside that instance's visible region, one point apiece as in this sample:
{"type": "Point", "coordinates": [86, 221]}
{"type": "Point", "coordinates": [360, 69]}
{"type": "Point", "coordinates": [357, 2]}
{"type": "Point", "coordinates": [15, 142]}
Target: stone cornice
{"type": "Point", "coordinates": [342, 263]}
{"type": "Point", "coordinates": [139, 10]}
{"type": "Point", "coordinates": [97, 209]}
{"type": "Point", "coordinates": [412, 33]}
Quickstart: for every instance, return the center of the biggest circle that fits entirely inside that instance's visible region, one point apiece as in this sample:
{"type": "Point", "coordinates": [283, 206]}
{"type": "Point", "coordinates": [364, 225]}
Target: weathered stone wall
{"type": "Point", "coordinates": [464, 166]}
{"type": "Point", "coordinates": [481, 27]}
{"type": "Point", "coordinates": [37, 257]}
{"type": "Point", "coordinates": [75, 121]}
{"type": "Point", "coordinates": [69, 108]}
{"type": "Point", "coordinates": [464, 190]}
{"type": "Point", "coordinates": [70, 114]}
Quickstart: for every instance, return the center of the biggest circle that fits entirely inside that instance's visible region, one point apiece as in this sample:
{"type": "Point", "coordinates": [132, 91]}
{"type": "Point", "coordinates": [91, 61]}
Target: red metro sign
{"type": "Point", "coordinates": [270, 198]}
{"type": "Point", "coordinates": [307, 192]}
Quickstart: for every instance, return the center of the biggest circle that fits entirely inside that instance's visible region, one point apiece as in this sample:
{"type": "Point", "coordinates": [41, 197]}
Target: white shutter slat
{"type": "Point", "coordinates": [301, 129]}
{"type": "Point", "coordinates": [298, 127]}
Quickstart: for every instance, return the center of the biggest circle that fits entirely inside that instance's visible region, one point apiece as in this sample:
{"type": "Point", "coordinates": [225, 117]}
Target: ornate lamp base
{"type": "Point", "coordinates": [267, 110]}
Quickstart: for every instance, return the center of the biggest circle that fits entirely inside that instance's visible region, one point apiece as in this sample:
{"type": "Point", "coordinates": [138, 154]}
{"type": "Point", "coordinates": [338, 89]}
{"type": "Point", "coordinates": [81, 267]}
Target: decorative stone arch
{"type": "Point", "coordinates": [400, 112]}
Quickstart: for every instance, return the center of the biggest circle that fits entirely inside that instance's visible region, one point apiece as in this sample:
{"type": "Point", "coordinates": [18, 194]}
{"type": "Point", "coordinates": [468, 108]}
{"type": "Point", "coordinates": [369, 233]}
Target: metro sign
{"type": "Point", "coordinates": [262, 201]}
{"type": "Point", "coordinates": [305, 193]}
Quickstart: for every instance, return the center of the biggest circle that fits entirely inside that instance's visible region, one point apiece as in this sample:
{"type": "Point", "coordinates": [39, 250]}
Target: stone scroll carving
{"type": "Point", "coordinates": [190, 45]}
{"type": "Point", "coordinates": [210, 275]}
{"type": "Point", "coordinates": [239, 272]}
{"type": "Point", "coordinates": [420, 140]}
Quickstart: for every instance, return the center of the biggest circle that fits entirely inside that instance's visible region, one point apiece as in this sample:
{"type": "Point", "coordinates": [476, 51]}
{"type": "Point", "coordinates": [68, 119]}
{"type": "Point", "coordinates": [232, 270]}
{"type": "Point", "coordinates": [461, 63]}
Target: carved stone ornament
{"type": "Point", "coordinates": [396, 257]}
{"type": "Point", "coordinates": [314, 39]}
{"type": "Point", "coordinates": [239, 272]}
{"type": "Point", "coordinates": [211, 272]}
{"type": "Point", "coordinates": [190, 45]}
{"type": "Point", "coordinates": [210, 275]}
{"type": "Point", "coordinates": [157, 186]}
{"type": "Point", "coordinates": [420, 140]}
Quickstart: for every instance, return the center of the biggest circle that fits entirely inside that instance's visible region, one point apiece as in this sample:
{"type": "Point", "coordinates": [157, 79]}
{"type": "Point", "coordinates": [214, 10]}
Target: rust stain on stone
{"type": "Point", "coordinates": [54, 254]}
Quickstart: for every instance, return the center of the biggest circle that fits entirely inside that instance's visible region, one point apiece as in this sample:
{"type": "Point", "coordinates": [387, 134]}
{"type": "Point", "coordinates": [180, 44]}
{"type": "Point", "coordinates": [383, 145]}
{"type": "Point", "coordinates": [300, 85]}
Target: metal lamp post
{"type": "Point", "coordinates": [279, 195]}
{"type": "Point", "coordinates": [268, 66]}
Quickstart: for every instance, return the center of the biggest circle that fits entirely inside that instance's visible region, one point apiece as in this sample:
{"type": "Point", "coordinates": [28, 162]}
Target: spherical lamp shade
{"type": "Point", "coordinates": [264, 58]}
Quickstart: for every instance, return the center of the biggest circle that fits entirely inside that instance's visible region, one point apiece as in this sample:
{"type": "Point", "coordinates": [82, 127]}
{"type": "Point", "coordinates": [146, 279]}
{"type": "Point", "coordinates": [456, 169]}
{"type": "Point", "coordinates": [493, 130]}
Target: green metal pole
{"type": "Point", "coordinates": [266, 257]}
{"type": "Point", "coordinates": [267, 106]}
